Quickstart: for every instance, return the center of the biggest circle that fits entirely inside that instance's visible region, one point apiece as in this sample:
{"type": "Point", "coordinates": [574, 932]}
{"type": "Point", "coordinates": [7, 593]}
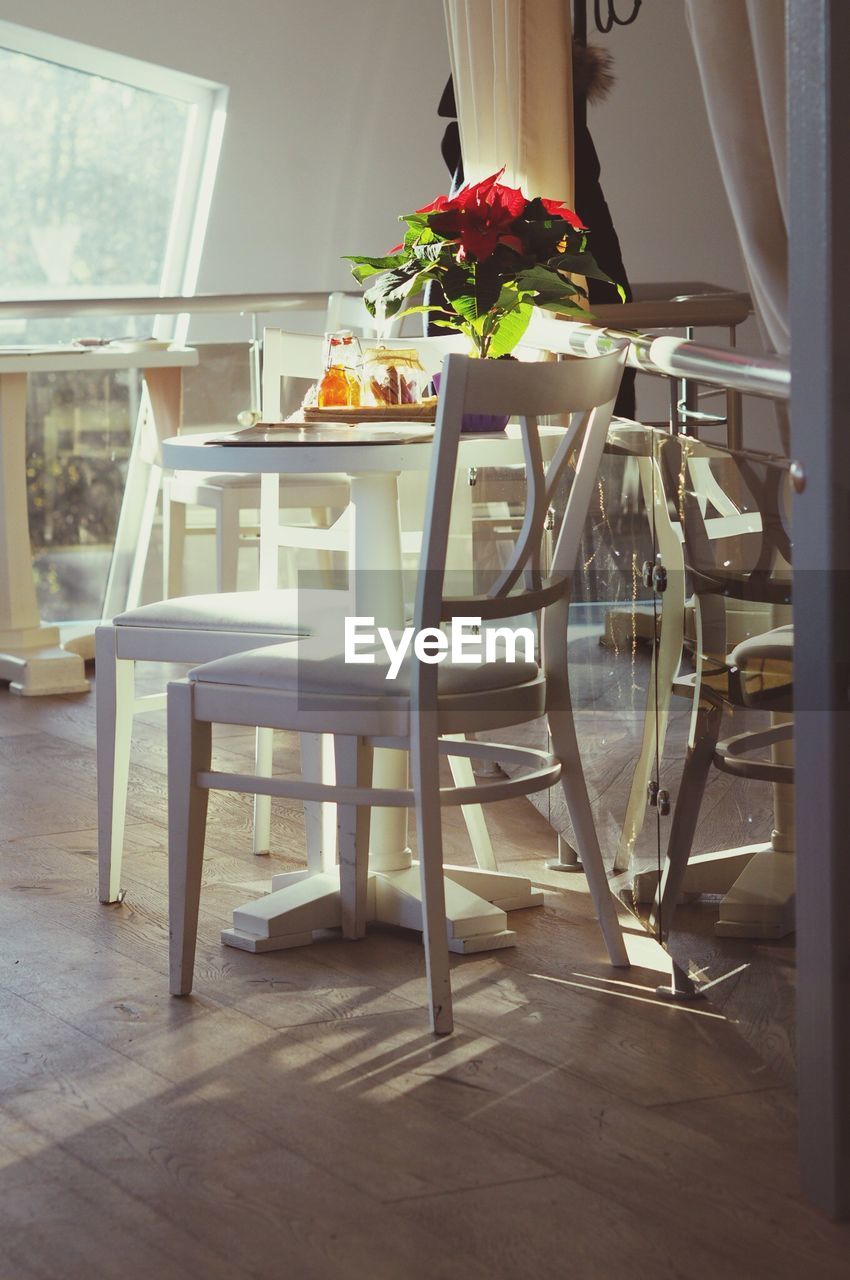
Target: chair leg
{"type": "Point", "coordinates": [353, 758]}
{"type": "Point", "coordinates": [425, 774]}
{"type": "Point", "coordinates": [317, 765]}
{"type": "Point", "coordinates": [173, 544]}
{"type": "Point", "coordinates": [320, 518]}
{"type": "Point", "coordinates": [473, 814]}
{"type": "Point", "coordinates": [143, 541]}
{"type": "Point", "coordinates": [115, 696]}
{"type": "Point", "coordinates": [263, 804]}
{"type": "Point", "coordinates": [685, 816]}
{"type": "Point", "coordinates": [227, 543]}
{"type": "Point", "coordinates": [562, 728]}
{"type": "Point", "coordinates": [189, 752]}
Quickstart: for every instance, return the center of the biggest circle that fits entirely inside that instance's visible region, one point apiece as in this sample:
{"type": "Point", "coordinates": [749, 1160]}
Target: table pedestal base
{"type": "Point", "coordinates": [78, 638]}
{"type": "Point", "coordinates": [760, 904]}
{"type": "Point", "coordinates": [757, 881]}
{"type": "Point", "coordinates": [299, 904]}
{"type": "Point", "coordinates": [35, 665]}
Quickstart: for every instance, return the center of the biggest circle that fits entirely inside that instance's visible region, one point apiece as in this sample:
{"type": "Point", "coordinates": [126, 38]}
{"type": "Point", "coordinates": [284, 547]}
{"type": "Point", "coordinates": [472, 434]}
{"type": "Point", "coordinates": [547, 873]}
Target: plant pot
{"type": "Point", "coordinates": [477, 422]}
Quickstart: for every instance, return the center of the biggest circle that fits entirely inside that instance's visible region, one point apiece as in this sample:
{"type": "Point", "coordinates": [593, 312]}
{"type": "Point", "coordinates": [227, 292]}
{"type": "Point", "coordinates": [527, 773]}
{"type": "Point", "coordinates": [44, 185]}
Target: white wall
{"type": "Point", "coordinates": [659, 170]}
{"type": "Point", "coordinates": [663, 183]}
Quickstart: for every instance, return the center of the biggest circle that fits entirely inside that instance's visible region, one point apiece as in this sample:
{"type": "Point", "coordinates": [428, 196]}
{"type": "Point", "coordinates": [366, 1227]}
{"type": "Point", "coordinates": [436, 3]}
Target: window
{"type": "Point", "coordinates": [108, 166]}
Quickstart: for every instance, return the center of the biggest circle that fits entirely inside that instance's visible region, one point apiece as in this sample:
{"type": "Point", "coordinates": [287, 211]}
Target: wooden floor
{"type": "Point", "coordinates": [294, 1118]}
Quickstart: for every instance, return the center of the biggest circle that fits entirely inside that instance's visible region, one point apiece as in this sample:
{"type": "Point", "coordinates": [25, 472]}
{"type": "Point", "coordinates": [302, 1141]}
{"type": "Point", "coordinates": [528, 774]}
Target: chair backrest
{"type": "Point", "coordinates": [348, 311]}
{"type": "Point", "coordinates": [584, 390]}
{"type": "Point", "coordinates": [733, 507]}
{"type": "Point", "coordinates": [288, 356]}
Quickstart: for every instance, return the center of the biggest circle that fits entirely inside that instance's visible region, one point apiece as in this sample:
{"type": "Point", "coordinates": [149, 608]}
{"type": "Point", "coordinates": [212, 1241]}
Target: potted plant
{"type": "Point", "coordinates": [493, 254]}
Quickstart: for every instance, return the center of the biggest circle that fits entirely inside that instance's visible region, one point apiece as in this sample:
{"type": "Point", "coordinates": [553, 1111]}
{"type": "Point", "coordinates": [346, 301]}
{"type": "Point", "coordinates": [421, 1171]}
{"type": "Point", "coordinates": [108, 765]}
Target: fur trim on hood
{"type": "Point", "coordinates": [593, 71]}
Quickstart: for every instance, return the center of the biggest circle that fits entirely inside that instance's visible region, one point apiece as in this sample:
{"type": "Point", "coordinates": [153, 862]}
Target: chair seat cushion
{"type": "Point", "coordinates": [776, 645]}
{"type": "Point", "coordinates": [288, 612]}
{"type": "Point", "coordinates": [318, 666]}
{"type": "Point", "coordinates": [765, 670]}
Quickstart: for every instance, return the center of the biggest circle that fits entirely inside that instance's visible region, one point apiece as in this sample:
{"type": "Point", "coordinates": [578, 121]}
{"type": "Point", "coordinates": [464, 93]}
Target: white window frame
{"type": "Point", "coordinates": [207, 103]}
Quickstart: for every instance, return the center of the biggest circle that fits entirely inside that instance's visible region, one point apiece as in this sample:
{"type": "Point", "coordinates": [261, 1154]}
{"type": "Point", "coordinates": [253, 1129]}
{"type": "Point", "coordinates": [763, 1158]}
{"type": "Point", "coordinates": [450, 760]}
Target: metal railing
{"type": "Point", "coordinates": [664, 355]}
{"type": "Point", "coordinates": [210, 303]}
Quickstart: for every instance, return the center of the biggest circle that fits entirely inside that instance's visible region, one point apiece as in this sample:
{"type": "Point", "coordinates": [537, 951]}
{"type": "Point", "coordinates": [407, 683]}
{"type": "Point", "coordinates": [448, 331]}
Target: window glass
{"type": "Point", "coordinates": [107, 166]}
{"type": "Point", "coordinates": [92, 169]}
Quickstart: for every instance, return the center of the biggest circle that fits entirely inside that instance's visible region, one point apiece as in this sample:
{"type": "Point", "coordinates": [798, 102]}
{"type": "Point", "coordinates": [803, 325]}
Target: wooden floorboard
{"type": "Point", "coordinates": [294, 1117]}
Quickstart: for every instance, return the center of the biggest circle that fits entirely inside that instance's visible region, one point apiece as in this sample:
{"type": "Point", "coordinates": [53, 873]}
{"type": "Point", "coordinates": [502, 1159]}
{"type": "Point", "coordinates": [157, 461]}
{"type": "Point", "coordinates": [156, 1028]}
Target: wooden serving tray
{"type": "Point", "coordinates": [425, 411]}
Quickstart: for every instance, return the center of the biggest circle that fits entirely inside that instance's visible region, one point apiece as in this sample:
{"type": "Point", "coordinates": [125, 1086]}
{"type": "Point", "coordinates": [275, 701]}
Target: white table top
{"type": "Point", "coordinates": [72, 359]}
{"type": "Point", "coordinates": [295, 451]}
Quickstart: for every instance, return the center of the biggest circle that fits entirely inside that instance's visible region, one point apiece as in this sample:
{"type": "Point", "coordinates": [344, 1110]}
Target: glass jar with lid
{"type": "Point", "coordinates": [393, 376]}
{"type": "Point", "coordinates": [340, 383]}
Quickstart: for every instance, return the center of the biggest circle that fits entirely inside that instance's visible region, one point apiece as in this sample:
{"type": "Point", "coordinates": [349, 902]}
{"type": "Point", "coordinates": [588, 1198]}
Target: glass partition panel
{"type": "Point", "coordinates": [725, 905]}
{"type": "Point", "coordinates": [612, 623]}
{"type": "Point", "coordinates": [611, 635]}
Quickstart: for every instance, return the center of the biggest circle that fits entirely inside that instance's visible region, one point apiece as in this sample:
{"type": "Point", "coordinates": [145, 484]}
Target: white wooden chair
{"type": "Point", "coordinates": [197, 628]}
{"type": "Point", "coordinates": [312, 689]}
{"type": "Point", "coordinates": [293, 354]}
{"type": "Point", "coordinates": [228, 496]}
{"type": "Point", "coordinates": [321, 498]}
{"type": "Point", "coordinates": [194, 629]}
{"type": "Point", "coordinates": [188, 629]}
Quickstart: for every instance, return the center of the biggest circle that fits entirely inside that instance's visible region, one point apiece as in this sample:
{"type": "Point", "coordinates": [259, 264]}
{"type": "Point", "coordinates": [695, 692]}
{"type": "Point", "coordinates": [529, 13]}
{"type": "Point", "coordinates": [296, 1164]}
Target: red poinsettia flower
{"type": "Point", "coordinates": [481, 216]}
{"type": "Point", "coordinates": [442, 202]}
{"type": "Point", "coordinates": [559, 210]}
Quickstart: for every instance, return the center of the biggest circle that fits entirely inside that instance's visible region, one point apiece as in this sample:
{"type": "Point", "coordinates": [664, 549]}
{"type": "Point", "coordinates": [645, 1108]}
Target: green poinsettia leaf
{"type": "Point", "coordinates": [380, 263]}
{"type": "Point", "coordinates": [545, 282]}
{"type": "Point", "coordinates": [435, 310]}
{"type": "Point", "coordinates": [365, 267]}
{"type": "Point", "coordinates": [372, 303]}
{"type": "Point", "coordinates": [584, 264]}
{"type": "Point", "coordinates": [506, 329]}
{"type": "Point", "coordinates": [467, 308]}
{"type": "Point", "coordinates": [417, 224]}
{"type": "Point", "coordinates": [564, 307]}
{"type": "Point", "coordinates": [389, 291]}
{"type": "Point", "coordinates": [472, 290]}
{"type": "Point", "coordinates": [456, 279]}
{"type": "Point", "coordinates": [430, 251]}
{"type": "Point", "coordinates": [446, 322]}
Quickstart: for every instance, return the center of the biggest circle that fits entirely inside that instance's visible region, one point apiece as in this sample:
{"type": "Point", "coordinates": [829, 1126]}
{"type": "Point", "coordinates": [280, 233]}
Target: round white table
{"type": "Point", "coordinates": [373, 459]}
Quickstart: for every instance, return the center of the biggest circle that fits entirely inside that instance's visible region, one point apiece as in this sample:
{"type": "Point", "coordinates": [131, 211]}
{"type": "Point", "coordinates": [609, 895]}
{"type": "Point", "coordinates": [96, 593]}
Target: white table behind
{"type": "Point", "coordinates": [30, 654]}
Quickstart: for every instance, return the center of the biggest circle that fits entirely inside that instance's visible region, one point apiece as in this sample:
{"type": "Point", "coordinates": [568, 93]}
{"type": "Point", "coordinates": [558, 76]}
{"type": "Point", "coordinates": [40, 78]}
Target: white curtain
{"type": "Point", "coordinates": [512, 69]}
{"type": "Point", "coordinates": [740, 53]}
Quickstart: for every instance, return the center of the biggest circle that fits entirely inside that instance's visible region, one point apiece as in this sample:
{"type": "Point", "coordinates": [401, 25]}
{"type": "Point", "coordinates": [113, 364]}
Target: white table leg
{"type": "Point", "coordinates": [30, 656]}
{"type": "Point", "coordinates": [376, 562]}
